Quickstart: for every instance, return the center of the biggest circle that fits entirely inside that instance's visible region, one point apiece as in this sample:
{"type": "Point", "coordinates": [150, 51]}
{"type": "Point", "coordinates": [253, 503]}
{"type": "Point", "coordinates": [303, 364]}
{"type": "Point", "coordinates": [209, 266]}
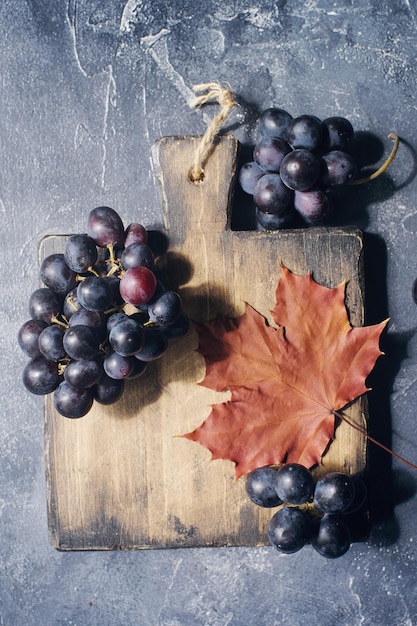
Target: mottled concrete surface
{"type": "Point", "coordinates": [86, 87]}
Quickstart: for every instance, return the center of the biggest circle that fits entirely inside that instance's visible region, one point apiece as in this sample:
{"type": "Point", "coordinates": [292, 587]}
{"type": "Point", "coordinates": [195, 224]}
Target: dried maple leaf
{"type": "Point", "coordinates": [287, 383]}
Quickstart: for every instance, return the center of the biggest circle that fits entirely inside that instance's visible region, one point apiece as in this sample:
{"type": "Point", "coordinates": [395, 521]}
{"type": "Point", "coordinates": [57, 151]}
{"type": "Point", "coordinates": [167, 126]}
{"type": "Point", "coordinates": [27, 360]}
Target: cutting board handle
{"type": "Point", "coordinates": [188, 206]}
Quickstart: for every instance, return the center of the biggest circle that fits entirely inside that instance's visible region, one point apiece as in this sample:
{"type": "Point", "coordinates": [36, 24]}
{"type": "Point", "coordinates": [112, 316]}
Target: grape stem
{"type": "Point", "coordinates": [343, 417]}
{"type": "Point", "coordinates": [56, 320]}
{"type": "Point", "coordinates": [384, 166]}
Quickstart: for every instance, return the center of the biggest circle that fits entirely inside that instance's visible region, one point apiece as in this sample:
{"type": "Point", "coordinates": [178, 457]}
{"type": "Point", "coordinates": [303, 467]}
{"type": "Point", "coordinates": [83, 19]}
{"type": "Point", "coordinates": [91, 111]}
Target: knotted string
{"type": "Point", "coordinates": [214, 92]}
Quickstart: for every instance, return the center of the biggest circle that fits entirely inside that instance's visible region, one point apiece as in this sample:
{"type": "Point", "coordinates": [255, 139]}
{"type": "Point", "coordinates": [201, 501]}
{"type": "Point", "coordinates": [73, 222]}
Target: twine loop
{"type": "Point", "coordinates": [213, 92]}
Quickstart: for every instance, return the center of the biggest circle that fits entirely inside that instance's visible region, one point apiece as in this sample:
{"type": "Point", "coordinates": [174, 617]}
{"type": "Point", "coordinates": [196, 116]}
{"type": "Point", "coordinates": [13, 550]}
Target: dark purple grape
{"type": "Point", "coordinates": [95, 319]}
{"type": "Point", "coordinates": [359, 500]}
{"type": "Point", "coordinates": [71, 402]}
{"type": "Point", "coordinates": [114, 285]}
{"type": "Point", "coordinates": [71, 304]}
{"type": "Point", "coordinates": [167, 309]}
{"type": "Point", "coordinates": [94, 293]}
{"type": "Point", "coordinates": [80, 253]}
{"type": "Point", "coordinates": [273, 221]}
{"type": "Point", "coordinates": [272, 196]}
{"type": "Point", "coordinates": [118, 366]}
{"type": "Point", "coordinates": [41, 376]}
{"type": "Point", "coordinates": [56, 274]}
{"type": "Point", "coordinates": [108, 390]}
{"type": "Point", "coordinates": [126, 337]}
{"type": "Point", "coordinates": [260, 487]}
{"type": "Point", "coordinates": [115, 318]}
{"type": "Point", "coordinates": [155, 344]}
{"type": "Point", "coordinates": [44, 304]}
{"type": "Point", "coordinates": [81, 343]}
{"type": "Point", "coordinates": [340, 133]}
{"type": "Point", "coordinates": [139, 368]}
{"type": "Point", "coordinates": [51, 343]}
{"type": "Point", "coordinates": [300, 170]}
{"type": "Point", "coordinates": [249, 174]}
{"type": "Point", "coordinates": [273, 122]}
{"type": "Point", "coordinates": [105, 227]}
{"type": "Point", "coordinates": [306, 132]}
{"type": "Point", "coordinates": [330, 536]}
{"type": "Point", "coordinates": [83, 374]}
{"type": "Point", "coordinates": [289, 529]}
{"type": "Point", "coordinates": [313, 205]}
{"type": "Point", "coordinates": [269, 152]}
{"type": "Point", "coordinates": [339, 168]}
{"type": "Point", "coordinates": [294, 484]}
{"type": "Point", "coordinates": [334, 492]}
{"type": "Point", "coordinates": [178, 329]}
{"type": "Point", "coordinates": [137, 285]}
{"type": "Point", "coordinates": [135, 233]}
{"type": "Point", "coordinates": [28, 337]}
{"type": "Point", "coordinates": [137, 254]}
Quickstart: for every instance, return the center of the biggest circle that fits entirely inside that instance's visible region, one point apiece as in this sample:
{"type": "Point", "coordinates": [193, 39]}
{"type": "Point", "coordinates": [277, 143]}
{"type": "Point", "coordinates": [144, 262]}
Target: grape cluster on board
{"type": "Point", "coordinates": [100, 319]}
{"type": "Point", "coordinates": [311, 512]}
{"type": "Point", "coordinates": [296, 163]}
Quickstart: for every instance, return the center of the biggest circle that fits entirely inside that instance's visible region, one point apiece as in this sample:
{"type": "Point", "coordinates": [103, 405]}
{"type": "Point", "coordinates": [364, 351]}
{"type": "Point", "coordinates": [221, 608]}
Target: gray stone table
{"type": "Point", "coordinates": [86, 87]}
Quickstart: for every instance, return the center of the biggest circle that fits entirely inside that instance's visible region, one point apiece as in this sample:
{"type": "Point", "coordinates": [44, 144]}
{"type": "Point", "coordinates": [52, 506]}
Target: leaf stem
{"type": "Point", "coordinates": [374, 441]}
{"type": "Point", "coordinates": [384, 166]}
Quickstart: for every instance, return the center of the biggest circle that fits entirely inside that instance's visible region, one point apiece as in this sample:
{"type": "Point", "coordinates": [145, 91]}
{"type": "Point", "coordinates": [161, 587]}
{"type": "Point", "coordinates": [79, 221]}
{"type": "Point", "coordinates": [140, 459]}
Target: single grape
{"type": "Point", "coordinates": [272, 196]}
{"type": "Point", "coordinates": [273, 122]}
{"type": "Point", "coordinates": [137, 285]}
{"type": "Point", "coordinates": [108, 390]}
{"type": "Point", "coordinates": [269, 152]}
{"type": "Point", "coordinates": [294, 483]}
{"type": "Point", "coordinates": [126, 337]}
{"type": "Point", "coordinates": [115, 318]}
{"type": "Point", "coordinates": [274, 221]}
{"type": "Point", "coordinates": [113, 283]}
{"type": "Point", "coordinates": [81, 342]}
{"type": "Point", "coordinates": [155, 344]}
{"type": "Point", "coordinates": [56, 274]}
{"type": "Point", "coordinates": [330, 536]}
{"type": "Point", "coordinates": [137, 254]}
{"type": "Point", "coordinates": [118, 366]}
{"type": "Point", "coordinates": [94, 319]}
{"type": "Point", "coordinates": [80, 253]}
{"type": "Point", "coordinates": [178, 329]}
{"type": "Point", "coordinates": [289, 529]}
{"type": "Point", "coordinates": [105, 227]}
{"type": "Point", "coordinates": [167, 309]}
{"type": "Point", "coordinates": [139, 368]}
{"type": "Point", "coordinates": [28, 336]}
{"type": "Point", "coordinates": [260, 487]}
{"type": "Point", "coordinates": [249, 174]}
{"type": "Point", "coordinates": [71, 304]}
{"type": "Point", "coordinates": [135, 233]}
{"type": "Point", "coordinates": [72, 402]}
{"type": "Point", "coordinates": [340, 133]}
{"type": "Point", "coordinates": [94, 293]}
{"type": "Point", "coordinates": [306, 132]}
{"type": "Point", "coordinates": [300, 170]}
{"type": "Point", "coordinates": [334, 492]}
{"type": "Point", "coordinates": [314, 205]}
{"type": "Point", "coordinates": [83, 374]}
{"type": "Point", "coordinates": [339, 168]}
{"type": "Point", "coordinates": [361, 493]}
{"type": "Point", "coordinates": [51, 343]}
{"type": "Point", "coordinates": [41, 376]}
{"type": "Point", "coordinates": [44, 304]}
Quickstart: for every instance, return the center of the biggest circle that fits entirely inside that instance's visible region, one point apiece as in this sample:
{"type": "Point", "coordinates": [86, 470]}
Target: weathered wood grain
{"type": "Point", "coordinates": [120, 478]}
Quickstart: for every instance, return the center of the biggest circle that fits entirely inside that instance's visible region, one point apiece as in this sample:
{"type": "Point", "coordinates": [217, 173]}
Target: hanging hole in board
{"type": "Point", "coordinates": [196, 176]}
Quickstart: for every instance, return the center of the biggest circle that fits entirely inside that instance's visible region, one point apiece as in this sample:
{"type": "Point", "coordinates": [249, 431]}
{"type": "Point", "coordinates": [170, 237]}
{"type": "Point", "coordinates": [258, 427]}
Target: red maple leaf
{"type": "Point", "coordinates": [286, 383]}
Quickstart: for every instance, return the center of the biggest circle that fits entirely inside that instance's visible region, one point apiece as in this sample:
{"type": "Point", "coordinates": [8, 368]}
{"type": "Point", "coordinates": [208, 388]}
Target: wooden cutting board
{"type": "Point", "coordinates": [120, 478]}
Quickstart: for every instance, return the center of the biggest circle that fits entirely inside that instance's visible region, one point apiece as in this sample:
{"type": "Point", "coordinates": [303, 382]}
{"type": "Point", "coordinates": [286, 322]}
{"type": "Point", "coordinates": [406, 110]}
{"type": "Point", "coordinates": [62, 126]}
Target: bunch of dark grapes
{"type": "Point", "coordinates": [101, 317]}
{"type": "Point", "coordinates": [310, 512]}
{"type": "Point", "coordinates": [296, 163]}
